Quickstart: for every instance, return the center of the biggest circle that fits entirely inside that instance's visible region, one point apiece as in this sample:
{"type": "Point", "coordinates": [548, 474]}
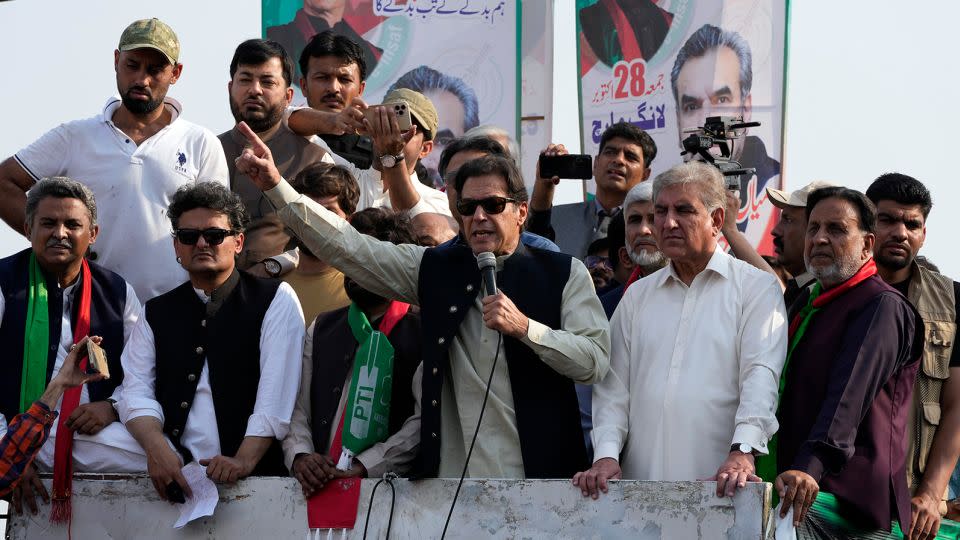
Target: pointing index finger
{"type": "Point", "coordinates": [258, 146]}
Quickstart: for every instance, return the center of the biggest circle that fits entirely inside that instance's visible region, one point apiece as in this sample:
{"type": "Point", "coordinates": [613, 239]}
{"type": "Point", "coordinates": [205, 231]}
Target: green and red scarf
{"type": "Point", "coordinates": [767, 465]}
{"type": "Point", "coordinates": [34, 378]}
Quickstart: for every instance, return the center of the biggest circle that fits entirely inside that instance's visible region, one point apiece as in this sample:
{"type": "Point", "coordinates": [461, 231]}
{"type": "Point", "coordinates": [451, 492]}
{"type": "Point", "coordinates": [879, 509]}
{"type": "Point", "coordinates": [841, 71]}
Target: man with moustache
{"type": "Point", "coordinates": [330, 351]}
{"type": "Point", "coordinates": [640, 247]}
{"type": "Point", "coordinates": [545, 321]}
{"type": "Point", "coordinates": [133, 156]}
{"type": "Point", "coordinates": [788, 236]}
{"type": "Point", "coordinates": [622, 162]}
{"type": "Point", "coordinates": [50, 298]}
{"type": "Point", "coordinates": [847, 385]}
{"type": "Point", "coordinates": [261, 73]}
{"type": "Point", "coordinates": [933, 430]}
{"type": "Point", "coordinates": [334, 79]}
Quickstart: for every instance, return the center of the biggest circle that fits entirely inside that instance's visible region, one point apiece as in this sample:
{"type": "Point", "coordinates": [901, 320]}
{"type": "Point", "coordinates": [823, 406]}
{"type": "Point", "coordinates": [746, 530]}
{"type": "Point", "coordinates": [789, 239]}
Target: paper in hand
{"type": "Point", "coordinates": [205, 495]}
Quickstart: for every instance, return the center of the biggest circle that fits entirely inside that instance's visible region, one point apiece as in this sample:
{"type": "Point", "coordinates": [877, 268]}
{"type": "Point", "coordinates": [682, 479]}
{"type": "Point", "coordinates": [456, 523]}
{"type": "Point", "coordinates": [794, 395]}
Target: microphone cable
{"type": "Point", "coordinates": [466, 463]}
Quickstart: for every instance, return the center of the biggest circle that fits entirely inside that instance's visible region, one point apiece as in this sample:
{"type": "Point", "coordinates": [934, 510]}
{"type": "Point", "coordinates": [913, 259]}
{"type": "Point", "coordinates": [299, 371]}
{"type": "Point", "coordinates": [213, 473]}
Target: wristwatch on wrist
{"type": "Point", "coordinates": [389, 161]}
{"type": "Point", "coordinates": [743, 448]}
{"type": "Point", "coordinates": [272, 266]}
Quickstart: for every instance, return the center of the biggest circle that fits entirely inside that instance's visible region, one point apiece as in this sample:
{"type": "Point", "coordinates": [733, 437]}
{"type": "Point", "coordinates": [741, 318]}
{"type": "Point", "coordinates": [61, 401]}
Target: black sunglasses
{"type": "Point", "coordinates": [213, 236]}
{"type": "Point", "coordinates": [491, 205]}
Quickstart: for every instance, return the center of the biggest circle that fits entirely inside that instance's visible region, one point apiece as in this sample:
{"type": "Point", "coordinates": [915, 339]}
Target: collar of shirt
{"type": "Point", "coordinates": [603, 212]}
{"type": "Point", "coordinates": [719, 263]}
{"type": "Point", "coordinates": [266, 136]}
{"type": "Point", "coordinates": [114, 103]}
{"type": "Point", "coordinates": [804, 279]}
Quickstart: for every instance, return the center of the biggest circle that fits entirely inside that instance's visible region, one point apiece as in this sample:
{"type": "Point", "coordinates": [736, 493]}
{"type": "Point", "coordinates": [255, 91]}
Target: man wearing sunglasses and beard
{"type": "Point", "coordinates": [540, 333]}
{"type": "Point", "coordinates": [213, 366]}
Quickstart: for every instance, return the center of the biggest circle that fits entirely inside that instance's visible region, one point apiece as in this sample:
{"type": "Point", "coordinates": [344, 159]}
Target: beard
{"type": "Point", "coordinates": [842, 269]}
{"type": "Point", "coordinates": [137, 106]}
{"type": "Point", "coordinates": [646, 259]}
{"type": "Point", "coordinates": [258, 121]}
{"type": "Point", "coordinates": [364, 299]}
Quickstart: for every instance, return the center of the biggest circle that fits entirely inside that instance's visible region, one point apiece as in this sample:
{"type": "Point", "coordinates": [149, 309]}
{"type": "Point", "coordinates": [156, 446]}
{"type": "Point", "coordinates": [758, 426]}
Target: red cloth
{"type": "Point", "coordinates": [63, 446]}
{"type": "Point", "coordinates": [335, 505]}
{"type": "Point", "coordinates": [868, 269]}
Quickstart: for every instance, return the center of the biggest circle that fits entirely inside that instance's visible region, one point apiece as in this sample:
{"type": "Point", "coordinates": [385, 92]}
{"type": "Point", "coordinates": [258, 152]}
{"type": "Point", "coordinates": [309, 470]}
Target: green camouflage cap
{"type": "Point", "coordinates": [151, 34]}
{"type": "Point", "coordinates": [421, 108]}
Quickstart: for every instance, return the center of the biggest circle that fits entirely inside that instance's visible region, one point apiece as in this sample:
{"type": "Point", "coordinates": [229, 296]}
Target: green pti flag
{"type": "Point", "coordinates": [368, 400]}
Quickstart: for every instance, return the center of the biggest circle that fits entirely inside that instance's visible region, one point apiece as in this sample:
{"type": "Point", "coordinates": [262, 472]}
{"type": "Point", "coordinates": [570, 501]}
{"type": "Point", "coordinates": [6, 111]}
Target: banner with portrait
{"type": "Point", "coordinates": [462, 54]}
{"type": "Point", "coordinates": [667, 65]}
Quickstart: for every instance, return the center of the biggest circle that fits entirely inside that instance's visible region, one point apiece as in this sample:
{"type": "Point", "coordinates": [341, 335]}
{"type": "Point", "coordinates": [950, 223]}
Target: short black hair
{"type": "Point", "coordinates": [329, 44]}
{"type": "Point", "coordinates": [328, 180]}
{"type": "Point", "coordinates": [616, 239]}
{"type": "Point", "coordinates": [866, 211]}
{"type": "Point", "coordinates": [704, 40]}
{"type": "Point", "coordinates": [630, 132]}
{"type": "Point", "coordinates": [212, 196]}
{"type": "Point", "coordinates": [901, 189]}
{"type": "Point", "coordinates": [383, 224]}
{"type": "Point", "coordinates": [254, 52]}
{"type": "Point", "coordinates": [494, 165]}
{"type": "Point", "coordinates": [476, 144]}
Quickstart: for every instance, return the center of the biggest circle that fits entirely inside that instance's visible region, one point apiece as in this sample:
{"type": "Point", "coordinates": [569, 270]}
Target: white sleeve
{"type": "Point", "coordinates": [131, 313]}
{"type": "Point", "coordinates": [47, 156]}
{"type": "Point", "coordinates": [213, 164]}
{"type": "Point", "coordinates": [763, 350]}
{"type": "Point", "coordinates": [611, 396]}
{"type": "Point", "coordinates": [281, 353]}
{"type": "Point", "coordinates": [299, 439]}
{"type": "Point", "coordinates": [139, 360]}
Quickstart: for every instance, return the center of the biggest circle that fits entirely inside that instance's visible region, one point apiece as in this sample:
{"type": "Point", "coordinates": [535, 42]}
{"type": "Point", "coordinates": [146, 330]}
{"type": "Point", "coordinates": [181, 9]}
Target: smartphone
{"type": "Point", "coordinates": [97, 360]}
{"type": "Point", "coordinates": [568, 166]}
{"type": "Point", "coordinates": [401, 110]}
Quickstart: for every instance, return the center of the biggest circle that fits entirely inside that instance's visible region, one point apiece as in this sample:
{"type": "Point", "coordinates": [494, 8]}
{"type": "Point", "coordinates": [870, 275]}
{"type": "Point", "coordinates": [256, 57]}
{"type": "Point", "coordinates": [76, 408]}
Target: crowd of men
{"type": "Point", "coordinates": [621, 340]}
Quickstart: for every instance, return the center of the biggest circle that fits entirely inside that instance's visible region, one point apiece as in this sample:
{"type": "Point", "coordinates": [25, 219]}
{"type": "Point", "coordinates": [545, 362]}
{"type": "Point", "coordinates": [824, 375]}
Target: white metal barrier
{"type": "Point", "coordinates": [120, 507]}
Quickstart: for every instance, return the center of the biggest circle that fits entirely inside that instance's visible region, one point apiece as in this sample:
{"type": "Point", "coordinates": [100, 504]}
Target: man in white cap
{"type": "Point", "coordinates": [788, 235]}
{"type": "Point", "coordinates": [133, 156]}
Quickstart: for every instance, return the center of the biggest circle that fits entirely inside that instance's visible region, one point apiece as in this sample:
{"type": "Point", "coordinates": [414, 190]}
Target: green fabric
{"type": "Point", "coordinates": [767, 465]}
{"type": "Point", "coordinates": [36, 338]}
{"type": "Point", "coordinates": [825, 516]}
{"type": "Point", "coordinates": [368, 401]}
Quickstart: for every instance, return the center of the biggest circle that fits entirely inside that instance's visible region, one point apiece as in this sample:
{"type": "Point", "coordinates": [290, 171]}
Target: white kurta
{"type": "Point", "coordinates": [693, 370]}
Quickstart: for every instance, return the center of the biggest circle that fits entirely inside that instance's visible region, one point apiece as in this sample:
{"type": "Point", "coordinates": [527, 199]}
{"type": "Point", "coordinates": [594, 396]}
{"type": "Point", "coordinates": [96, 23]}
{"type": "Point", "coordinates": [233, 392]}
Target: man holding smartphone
{"type": "Point", "coordinates": [623, 161]}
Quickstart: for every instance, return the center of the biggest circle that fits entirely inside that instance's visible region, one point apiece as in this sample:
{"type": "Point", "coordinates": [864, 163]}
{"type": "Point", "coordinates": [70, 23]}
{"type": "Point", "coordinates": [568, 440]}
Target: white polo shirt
{"type": "Point", "coordinates": [133, 186]}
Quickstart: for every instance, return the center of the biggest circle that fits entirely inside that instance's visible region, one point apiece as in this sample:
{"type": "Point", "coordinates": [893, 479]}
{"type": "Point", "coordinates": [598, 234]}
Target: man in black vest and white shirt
{"type": "Point", "coordinates": [51, 279]}
{"type": "Point", "coordinates": [553, 329]}
{"type": "Point", "coordinates": [213, 366]}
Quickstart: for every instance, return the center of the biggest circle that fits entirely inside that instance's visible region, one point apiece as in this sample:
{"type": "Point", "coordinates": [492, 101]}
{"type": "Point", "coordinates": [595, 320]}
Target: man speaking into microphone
{"type": "Point", "coordinates": [542, 331]}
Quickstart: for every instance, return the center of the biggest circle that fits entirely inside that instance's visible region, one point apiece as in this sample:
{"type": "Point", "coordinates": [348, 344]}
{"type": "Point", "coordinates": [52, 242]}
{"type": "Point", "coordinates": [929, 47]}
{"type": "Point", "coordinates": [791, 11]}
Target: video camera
{"type": "Point", "coordinates": [720, 131]}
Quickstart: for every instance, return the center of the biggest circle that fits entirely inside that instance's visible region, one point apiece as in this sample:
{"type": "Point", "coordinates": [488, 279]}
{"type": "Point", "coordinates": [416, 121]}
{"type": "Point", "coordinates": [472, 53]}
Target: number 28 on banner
{"type": "Point", "coordinates": [629, 79]}
{"type": "Point", "coordinates": [629, 82]}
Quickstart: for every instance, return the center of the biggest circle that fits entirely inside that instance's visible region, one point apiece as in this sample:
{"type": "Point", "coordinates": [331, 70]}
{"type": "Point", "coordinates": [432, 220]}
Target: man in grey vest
{"type": "Point", "coordinates": [260, 90]}
{"type": "Point", "coordinates": [541, 332]}
{"type": "Point", "coordinates": [933, 430]}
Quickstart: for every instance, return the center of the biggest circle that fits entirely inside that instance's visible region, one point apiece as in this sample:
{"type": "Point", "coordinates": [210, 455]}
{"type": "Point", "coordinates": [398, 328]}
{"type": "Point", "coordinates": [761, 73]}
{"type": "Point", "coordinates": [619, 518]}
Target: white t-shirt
{"type": "Point", "coordinates": [133, 186]}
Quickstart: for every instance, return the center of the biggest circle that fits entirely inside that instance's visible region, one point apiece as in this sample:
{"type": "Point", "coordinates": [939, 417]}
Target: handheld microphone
{"type": "Point", "coordinates": [488, 268]}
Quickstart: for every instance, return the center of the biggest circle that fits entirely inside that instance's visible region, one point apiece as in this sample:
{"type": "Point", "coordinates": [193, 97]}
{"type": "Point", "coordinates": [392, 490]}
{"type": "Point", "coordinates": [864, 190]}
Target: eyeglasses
{"type": "Point", "coordinates": [491, 205]}
{"type": "Point", "coordinates": [593, 261]}
{"type": "Point", "coordinates": [213, 236]}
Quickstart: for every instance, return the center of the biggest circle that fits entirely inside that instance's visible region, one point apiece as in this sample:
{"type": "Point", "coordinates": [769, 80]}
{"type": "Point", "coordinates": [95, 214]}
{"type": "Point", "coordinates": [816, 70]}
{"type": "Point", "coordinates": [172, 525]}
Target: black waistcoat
{"type": "Point", "coordinates": [108, 297]}
{"type": "Point", "coordinates": [548, 415]}
{"type": "Point", "coordinates": [334, 348]}
{"type": "Point", "coordinates": [229, 340]}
